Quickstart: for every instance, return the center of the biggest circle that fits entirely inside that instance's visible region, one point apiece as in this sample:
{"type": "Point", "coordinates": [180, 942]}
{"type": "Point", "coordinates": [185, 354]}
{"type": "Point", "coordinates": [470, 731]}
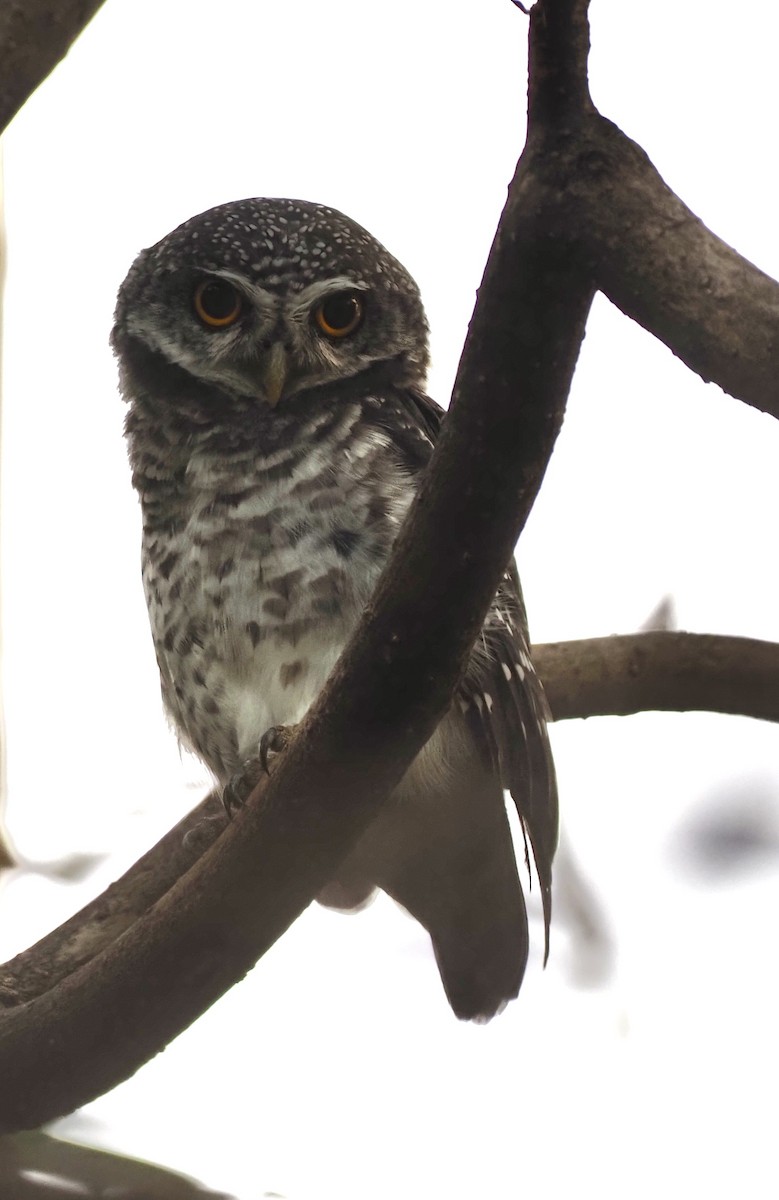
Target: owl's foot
{"type": "Point", "coordinates": [241, 785]}
{"type": "Point", "coordinates": [272, 743]}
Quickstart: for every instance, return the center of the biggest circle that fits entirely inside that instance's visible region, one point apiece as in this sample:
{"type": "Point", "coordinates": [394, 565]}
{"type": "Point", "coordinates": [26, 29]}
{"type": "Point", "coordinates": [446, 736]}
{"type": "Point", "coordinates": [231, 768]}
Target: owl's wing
{"type": "Point", "coordinates": [503, 702]}
{"type": "Point", "coordinates": [501, 696]}
{"type": "Point", "coordinates": [414, 422]}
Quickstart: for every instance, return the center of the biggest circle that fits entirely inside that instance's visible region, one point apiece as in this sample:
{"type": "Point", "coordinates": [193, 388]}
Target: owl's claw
{"type": "Point", "coordinates": [234, 794]}
{"type": "Point", "coordinates": [244, 781]}
{"type": "Point", "coordinates": [240, 786]}
{"type": "Point", "coordinates": [272, 743]}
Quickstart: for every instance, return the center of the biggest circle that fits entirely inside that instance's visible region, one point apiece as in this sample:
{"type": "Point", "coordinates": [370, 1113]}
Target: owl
{"type": "Point", "coordinates": [272, 355]}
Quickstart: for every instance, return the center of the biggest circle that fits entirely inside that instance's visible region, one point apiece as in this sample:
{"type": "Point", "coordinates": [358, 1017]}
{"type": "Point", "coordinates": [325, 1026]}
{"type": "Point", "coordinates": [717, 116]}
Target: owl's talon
{"type": "Point", "coordinates": [272, 743]}
{"type": "Point", "coordinates": [234, 794]}
{"type": "Point", "coordinates": [244, 781]}
{"type": "Point", "coordinates": [240, 786]}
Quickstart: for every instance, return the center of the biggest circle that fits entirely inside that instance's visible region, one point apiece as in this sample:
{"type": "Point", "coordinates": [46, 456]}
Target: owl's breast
{"type": "Point", "coordinates": [254, 591]}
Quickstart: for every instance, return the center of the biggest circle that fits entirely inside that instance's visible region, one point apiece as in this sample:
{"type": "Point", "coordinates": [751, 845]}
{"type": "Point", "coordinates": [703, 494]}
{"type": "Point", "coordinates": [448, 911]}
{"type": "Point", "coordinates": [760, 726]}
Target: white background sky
{"type": "Point", "coordinates": [336, 1069]}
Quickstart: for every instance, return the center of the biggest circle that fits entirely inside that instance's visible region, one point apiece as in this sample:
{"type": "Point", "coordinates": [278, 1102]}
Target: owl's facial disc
{"type": "Point", "coordinates": [266, 300]}
{"type": "Point", "coordinates": [273, 343]}
{"type": "Point", "coordinates": [311, 332]}
{"type": "Point", "coordinates": [218, 304]}
{"type": "Point", "coordinates": [270, 344]}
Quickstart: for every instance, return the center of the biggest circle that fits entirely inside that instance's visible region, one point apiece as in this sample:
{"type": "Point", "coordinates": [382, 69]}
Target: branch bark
{"type": "Point", "coordinates": [591, 677]}
{"type": "Point", "coordinates": [661, 266]}
{"type": "Point", "coordinates": [670, 672]}
{"type": "Point", "coordinates": [646, 250]}
{"type": "Point", "coordinates": [34, 36]}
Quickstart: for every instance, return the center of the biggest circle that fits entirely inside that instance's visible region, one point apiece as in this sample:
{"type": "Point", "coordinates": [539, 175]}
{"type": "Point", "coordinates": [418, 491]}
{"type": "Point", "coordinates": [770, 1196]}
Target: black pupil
{"type": "Point", "coordinates": [341, 310]}
{"type": "Point", "coordinates": [218, 299]}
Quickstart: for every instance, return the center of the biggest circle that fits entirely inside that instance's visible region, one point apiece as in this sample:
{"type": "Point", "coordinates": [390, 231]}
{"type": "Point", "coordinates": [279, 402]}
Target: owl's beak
{"type": "Point", "coordinates": [274, 372]}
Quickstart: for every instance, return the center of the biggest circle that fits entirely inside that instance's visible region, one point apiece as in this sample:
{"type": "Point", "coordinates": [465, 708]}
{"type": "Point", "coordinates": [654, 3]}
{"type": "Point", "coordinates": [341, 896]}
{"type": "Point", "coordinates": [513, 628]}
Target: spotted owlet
{"type": "Point", "coordinates": [273, 355]}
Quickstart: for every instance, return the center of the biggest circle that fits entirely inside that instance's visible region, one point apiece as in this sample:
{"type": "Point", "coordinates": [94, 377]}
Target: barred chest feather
{"type": "Point", "coordinates": [257, 563]}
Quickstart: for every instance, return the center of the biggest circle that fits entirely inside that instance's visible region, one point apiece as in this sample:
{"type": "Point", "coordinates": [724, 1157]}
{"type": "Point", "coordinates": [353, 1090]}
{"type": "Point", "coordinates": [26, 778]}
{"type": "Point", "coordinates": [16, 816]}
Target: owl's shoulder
{"type": "Point", "coordinates": [410, 417]}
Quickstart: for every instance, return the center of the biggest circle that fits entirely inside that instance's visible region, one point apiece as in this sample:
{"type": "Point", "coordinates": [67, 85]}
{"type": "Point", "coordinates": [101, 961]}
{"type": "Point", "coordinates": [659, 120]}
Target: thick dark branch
{"type": "Point", "coordinates": [661, 265]}
{"type": "Point", "coordinates": [34, 36]}
{"type": "Point", "coordinates": [108, 916]}
{"type": "Point", "coordinates": [558, 88]}
{"type": "Point", "coordinates": [672, 672]}
{"type": "Point", "coordinates": [385, 697]}
{"type": "Point", "coordinates": [646, 251]}
{"type": "Point", "coordinates": [616, 675]}
{"type": "Point", "coordinates": [193, 940]}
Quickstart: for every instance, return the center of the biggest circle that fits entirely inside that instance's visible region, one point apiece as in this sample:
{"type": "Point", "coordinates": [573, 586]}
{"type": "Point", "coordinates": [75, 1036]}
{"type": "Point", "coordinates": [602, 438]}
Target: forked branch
{"type": "Point", "coordinates": [584, 210]}
{"type": "Point", "coordinates": [93, 1028]}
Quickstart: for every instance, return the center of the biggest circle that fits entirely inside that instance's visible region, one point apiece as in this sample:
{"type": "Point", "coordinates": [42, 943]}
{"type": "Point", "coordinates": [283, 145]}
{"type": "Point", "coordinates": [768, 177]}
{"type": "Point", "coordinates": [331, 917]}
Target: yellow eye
{"type": "Point", "coordinates": [340, 314]}
{"type": "Point", "coordinates": [217, 303]}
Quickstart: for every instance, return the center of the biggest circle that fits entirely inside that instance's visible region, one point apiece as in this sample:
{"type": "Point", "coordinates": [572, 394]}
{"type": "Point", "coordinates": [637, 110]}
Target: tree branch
{"type": "Point", "coordinates": [646, 250]}
{"type": "Point", "coordinates": [670, 672]}
{"type": "Point", "coordinates": [592, 677]}
{"type": "Point", "coordinates": [34, 36]}
{"type": "Point", "coordinates": [174, 946]}
{"type": "Point", "coordinates": [386, 695]}
{"type": "Point", "coordinates": [661, 266]}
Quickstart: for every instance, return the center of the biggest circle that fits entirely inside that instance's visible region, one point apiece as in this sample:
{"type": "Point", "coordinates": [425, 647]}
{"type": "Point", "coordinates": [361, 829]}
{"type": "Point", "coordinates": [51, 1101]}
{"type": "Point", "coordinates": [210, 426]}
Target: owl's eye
{"type": "Point", "coordinates": [339, 314]}
{"type": "Point", "coordinates": [217, 303]}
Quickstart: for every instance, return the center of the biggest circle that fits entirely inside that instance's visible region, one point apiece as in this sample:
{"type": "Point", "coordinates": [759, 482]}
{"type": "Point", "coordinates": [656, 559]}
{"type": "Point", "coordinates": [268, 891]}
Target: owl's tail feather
{"type": "Point", "coordinates": [347, 895]}
{"type": "Point", "coordinates": [459, 879]}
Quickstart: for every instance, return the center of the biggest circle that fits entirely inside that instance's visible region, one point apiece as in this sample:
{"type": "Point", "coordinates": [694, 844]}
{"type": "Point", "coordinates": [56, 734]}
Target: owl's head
{"type": "Point", "coordinates": [265, 299]}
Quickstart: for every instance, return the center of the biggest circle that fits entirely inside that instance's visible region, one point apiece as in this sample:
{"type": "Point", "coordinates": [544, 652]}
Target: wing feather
{"type": "Point", "coordinates": [501, 697]}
